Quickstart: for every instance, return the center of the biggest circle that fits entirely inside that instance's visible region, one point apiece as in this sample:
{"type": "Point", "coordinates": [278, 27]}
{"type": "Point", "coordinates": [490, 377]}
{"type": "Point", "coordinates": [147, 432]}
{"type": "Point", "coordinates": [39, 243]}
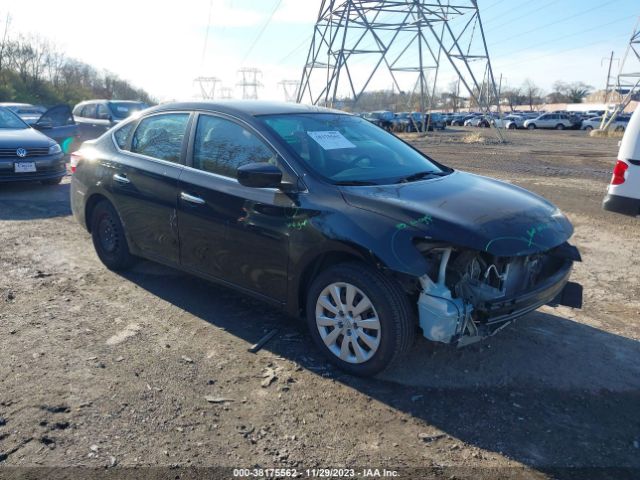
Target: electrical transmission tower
{"type": "Point", "coordinates": [250, 82]}
{"type": "Point", "coordinates": [207, 87]}
{"type": "Point", "coordinates": [290, 88]}
{"type": "Point", "coordinates": [408, 41]}
{"type": "Point", "coordinates": [628, 84]}
{"type": "Point", "coordinates": [226, 93]}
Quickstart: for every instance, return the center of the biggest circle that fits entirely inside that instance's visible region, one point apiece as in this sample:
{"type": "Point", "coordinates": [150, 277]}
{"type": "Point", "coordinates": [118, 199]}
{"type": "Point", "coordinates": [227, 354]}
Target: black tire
{"type": "Point", "coordinates": [391, 303]}
{"type": "Point", "coordinates": [588, 128]}
{"type": "Point", "coordinates": [560, 127]}
{"type": "Point", "coordinates": [109, 239]}
{"type": "Point", "coordinates": [511, 126]}
{"type": "Point", "coordinates": [619, 129]}
{"type": "Point", "coordinates": [52, 181]}
{"type": "Point", "coordinates": [532, 126]}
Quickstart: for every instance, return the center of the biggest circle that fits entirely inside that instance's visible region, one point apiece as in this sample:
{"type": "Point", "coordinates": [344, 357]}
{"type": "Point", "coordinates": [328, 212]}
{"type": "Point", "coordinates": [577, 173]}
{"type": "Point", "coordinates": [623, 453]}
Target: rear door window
{"type": "Point", "coordinates": [221, 146]}
{"type": "Point", "coordinates": [161, 136]}
{"type": "Point", "coordinates": [89, 111]}
{"type": "Point", "coordinates": [102, 112]}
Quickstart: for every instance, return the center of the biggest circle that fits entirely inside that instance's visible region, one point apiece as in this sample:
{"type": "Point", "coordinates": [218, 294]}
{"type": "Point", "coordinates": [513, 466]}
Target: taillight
{"type": "Point", "coordinates": [75, 159]}
{"type": "Point", "coordinates": [618, 173]}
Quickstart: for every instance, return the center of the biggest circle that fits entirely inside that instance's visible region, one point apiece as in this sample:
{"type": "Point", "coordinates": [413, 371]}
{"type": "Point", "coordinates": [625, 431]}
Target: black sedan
{"type": "Point", "coordinates": [327, 216]}
{"type": "Point", "coordinates": [27, 154]}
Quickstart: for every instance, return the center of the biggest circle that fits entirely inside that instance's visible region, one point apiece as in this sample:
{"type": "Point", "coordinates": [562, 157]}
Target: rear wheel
{"type": "Point", "coordinates": [560, 127]}
{"type": "Point", "coordinates": [511, 126]}
{"type": "Point", "coordinates": [109, 239]}
{"type": "Point", "coordinates": [360, 319]}
{"type": "Point", "coordinates": [619, 129]}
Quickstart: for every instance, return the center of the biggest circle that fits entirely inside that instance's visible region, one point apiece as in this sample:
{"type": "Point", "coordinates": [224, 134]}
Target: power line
{"type": "Point", "coordinates": [519, 8]}
{"type": "Point", "coordinates": [303, 44]}
{"type": "Point", "coordinates": [493, 5]}
{"type": "Point", "coordinates": [529, 59]}
{"type": "Point", "coordinates": [262, 30]}
{"type": "Point", "coordinates": [520, 34]}
{"type": "Point", "coordinates": [206, 36]}
{"type": "Point", "coordinates": [598, 27]}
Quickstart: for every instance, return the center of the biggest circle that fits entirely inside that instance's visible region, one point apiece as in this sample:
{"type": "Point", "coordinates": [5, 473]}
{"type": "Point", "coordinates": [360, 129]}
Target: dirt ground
{"type": "Point", "coordinates": [151, 368]}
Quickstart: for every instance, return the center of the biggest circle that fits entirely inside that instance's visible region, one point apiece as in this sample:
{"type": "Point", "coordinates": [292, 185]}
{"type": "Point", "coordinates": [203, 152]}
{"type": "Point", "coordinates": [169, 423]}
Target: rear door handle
{"type": "Point", "coordinates": [121, 179]}
{"type": "Point", "coordinates": [191, 199]}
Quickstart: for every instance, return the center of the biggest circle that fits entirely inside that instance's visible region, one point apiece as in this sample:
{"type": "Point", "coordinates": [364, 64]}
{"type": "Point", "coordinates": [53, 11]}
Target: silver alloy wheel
{"type": "Point", "coordinates": [348, 323]}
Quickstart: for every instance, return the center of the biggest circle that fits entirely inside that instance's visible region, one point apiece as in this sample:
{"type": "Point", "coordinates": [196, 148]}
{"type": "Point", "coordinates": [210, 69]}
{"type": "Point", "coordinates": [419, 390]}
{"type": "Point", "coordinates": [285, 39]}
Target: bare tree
{"type": "Point", "coordinates": [514, 97]}
{"type": "Point", "coordinates": [531, 92]}
{"type": "Point", "coordinates": [4, 42]}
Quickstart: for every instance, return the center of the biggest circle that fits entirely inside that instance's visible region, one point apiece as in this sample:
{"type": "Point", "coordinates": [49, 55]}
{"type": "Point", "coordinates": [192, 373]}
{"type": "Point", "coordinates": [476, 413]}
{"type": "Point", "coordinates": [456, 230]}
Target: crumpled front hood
{"type": "Point", "coordinates": [471, 211]}
{"type": "Point", "coordinates": [23, 138]}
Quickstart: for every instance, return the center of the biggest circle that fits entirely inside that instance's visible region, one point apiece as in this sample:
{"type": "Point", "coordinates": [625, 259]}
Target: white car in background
{"type": "Point", "coordinates": [510, 122]}
{"type": "Point", "coordinates": [623, 195]}
{"type": "Point", "coordinates": [619, 125]}
{"type": "Point", "coordinates": [558, 121]}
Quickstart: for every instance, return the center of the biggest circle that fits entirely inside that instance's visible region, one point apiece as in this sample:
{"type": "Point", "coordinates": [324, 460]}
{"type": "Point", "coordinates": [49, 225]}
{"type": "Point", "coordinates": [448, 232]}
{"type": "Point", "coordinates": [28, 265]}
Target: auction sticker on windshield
{"type": "Point", "coordinates": [24, 167]}
{"type": "Point", "coordinates": [331, 140]}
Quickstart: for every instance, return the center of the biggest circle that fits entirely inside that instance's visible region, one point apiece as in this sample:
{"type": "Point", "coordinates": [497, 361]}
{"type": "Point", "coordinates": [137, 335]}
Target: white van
{"type": "Point", "coordinates": [624, 192]}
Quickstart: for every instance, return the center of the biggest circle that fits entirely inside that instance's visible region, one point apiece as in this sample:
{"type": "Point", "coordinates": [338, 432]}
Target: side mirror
{"type": "Point", "coordinates": [44, 124]}
{"type": "Point", "coordinates": [259, 175]}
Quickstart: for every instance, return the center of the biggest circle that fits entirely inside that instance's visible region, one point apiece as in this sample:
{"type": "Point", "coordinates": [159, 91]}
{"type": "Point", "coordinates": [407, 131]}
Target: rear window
{"type": "Point", "coordinates": [126, 109]}
{"type": "Point", "coordinates": [161, 136]}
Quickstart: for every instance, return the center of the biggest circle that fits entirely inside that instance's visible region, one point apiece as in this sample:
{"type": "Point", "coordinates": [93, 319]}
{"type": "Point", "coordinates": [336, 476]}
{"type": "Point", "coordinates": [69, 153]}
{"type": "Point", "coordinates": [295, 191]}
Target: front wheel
{"type": "Point", "coordinates": [360, 319]}
{"type": "Point", "coordinates": [588, 128]}
{"type": "Point", "coordinates": [109, 239]}
{"type": "Point", "coordinates": [511, 126]}
{"type": "Point", "coordinates": [532, 126]}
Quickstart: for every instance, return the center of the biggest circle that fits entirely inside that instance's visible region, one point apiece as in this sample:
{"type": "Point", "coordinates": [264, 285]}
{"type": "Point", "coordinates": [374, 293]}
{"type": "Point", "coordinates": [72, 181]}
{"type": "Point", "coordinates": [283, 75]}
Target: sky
{"type": "Point", "coordinates": [163, 46]}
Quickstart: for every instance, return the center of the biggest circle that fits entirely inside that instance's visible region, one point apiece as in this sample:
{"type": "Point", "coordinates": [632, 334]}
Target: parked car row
{"type": "Point", "coordinates": [406, 122]}
{"type": "Point", "coordinates": [35, 142]}
{"type": "Point", "coordinates": [534, 120]}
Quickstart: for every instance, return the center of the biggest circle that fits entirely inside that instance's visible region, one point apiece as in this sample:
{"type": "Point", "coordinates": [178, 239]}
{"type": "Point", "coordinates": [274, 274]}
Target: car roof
{"type": "Point", "coordinates": [10, 104]}
{"type": "Point", "coordinates": [251, 108]}
{"type": "Point", "coordinates": [102, 100]}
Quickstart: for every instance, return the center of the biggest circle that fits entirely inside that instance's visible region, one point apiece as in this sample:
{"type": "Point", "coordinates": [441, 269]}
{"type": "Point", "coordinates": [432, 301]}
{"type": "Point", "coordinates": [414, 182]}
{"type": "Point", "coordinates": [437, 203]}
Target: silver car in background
{"type": "Point", "coordinates": [558, 121]}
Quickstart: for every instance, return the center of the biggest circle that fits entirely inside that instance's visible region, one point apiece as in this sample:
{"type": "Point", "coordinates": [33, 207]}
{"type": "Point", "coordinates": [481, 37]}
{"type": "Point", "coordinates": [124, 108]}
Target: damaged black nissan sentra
{"type": "Point", "coordinates": [327, 216]}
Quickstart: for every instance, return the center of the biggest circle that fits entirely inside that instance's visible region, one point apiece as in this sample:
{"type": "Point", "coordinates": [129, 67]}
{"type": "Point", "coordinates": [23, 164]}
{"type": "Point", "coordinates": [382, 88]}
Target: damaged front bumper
{"type": "Point", "coordinates": [447, 319]}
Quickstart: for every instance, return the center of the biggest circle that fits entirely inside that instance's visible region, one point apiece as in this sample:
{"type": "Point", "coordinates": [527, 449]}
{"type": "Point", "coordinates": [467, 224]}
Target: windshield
{"type": "Point", "coordinates": [344, 149]}
{"type": "Point", "coordinates": [8, 119]}
{"type": "Point", "coordinates": [126, 109]}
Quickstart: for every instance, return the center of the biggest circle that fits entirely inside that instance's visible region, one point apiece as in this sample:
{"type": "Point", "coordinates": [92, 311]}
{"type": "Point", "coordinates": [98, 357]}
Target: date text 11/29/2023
{"type": "Point", "coordinates": [313, 473]}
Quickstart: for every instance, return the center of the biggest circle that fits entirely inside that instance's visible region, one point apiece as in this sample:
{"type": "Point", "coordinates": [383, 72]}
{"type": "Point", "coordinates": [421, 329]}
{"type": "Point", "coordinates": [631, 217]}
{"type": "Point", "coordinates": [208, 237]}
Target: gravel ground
{"type": "Point", "coordinates": [151, 368]}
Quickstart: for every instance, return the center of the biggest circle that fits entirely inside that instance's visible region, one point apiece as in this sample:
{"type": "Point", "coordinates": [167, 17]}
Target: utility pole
{"type": "Point", "coordinates": [226, 93]}
{"type": "Point", "coordinates": [628, 81]}
{"type": "Point", "coordinates": [402, 40]}
{"type": "Point", "coordinates": [250, 82]}
{"type": "Point", "coordinates": [608, 84]}
{"type": "Point", "coordinates": [207, 87]}
{"type": "Point", "coordinates": [290, 89]}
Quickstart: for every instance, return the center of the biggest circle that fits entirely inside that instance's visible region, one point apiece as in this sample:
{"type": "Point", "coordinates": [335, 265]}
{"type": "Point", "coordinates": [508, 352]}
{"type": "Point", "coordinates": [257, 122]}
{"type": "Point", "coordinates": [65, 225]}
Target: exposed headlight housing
{"type": "Point", "coordinates": [55, 148]}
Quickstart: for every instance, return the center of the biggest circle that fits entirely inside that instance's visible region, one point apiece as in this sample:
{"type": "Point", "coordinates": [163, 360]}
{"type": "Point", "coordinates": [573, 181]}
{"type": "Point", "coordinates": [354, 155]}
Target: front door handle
{"type": "Point", "coordinates": [191, 199]}
{"type": "Point", "coordinates": [121, 179]}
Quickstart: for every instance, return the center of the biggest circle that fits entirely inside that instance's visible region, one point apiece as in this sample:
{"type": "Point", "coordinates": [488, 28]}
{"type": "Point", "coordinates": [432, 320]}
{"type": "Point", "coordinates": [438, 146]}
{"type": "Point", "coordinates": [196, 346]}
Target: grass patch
{"type": "Point", "coordinates": [606, 134]}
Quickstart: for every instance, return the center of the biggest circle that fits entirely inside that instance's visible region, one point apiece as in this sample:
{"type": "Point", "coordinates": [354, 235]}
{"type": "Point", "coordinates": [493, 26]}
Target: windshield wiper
{"type": "Point", "coordinates": [420, 176]}
{"type": "Point", "coordinates": [355, 183]}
